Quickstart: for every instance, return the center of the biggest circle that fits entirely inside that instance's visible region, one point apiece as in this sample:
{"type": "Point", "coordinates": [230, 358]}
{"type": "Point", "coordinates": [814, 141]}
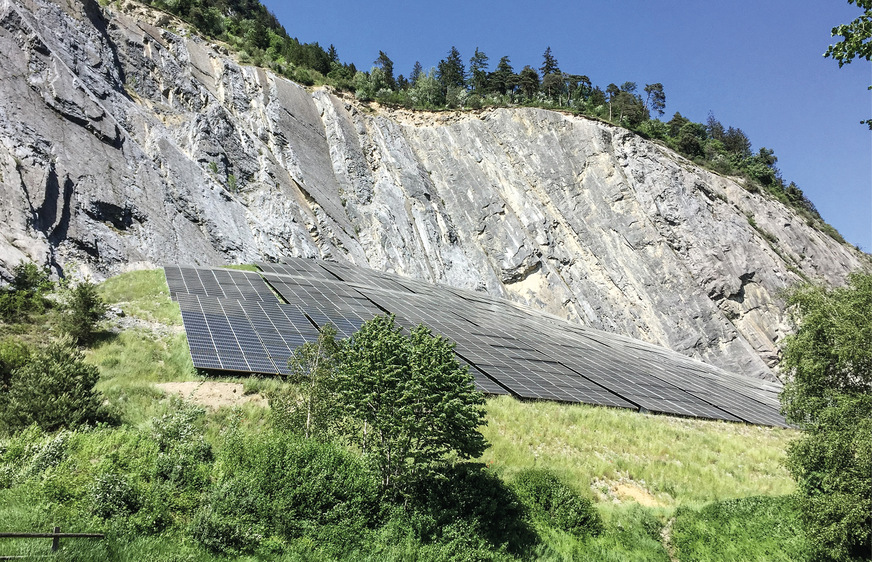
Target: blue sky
{"type": "Point", "coordinates": [756, 65]}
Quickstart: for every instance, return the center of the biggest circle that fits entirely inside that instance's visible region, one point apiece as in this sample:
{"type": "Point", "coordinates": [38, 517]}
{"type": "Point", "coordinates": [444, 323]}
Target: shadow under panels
{"type": "Point", "coordinates": [251, 322]}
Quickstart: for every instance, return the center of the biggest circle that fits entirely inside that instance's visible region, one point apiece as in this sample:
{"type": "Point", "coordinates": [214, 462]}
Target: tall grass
{"type": "Point", "coordinates": [676, 461]}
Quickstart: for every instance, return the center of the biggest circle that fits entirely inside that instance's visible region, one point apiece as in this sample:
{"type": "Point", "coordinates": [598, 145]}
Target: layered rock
{"type": "Point", "coordinates": [123, 143]}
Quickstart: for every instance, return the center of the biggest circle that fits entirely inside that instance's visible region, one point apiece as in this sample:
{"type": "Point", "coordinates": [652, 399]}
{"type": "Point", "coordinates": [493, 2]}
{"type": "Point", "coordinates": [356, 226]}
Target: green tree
{"type": "Point", "coordinates": [417, 72]}
{"type": "Point", "coordinates": [656, 98]}
{"type": "Point", "coordinates": [312, 368]}
{"type": "Point", "coordinates": [855, 40]}
{"type": "Point", "coordinates": [53, 389]}
{"type": "Point", "coordinates": [714, 128]}
{"type": "Point", "coordinates": [385, 63]}
{"type": "Point", "coordinates": [29, 278]}
{"type": "Point", "coordinates": [26, 293]}
{"type": "Point", "coordinates": [450, 71]}
{"type": "Point", "coordinates": [503, 79]}
{"type": "Point", "coordinates": [761, 167]}
{"type": "Point", "coordinates": [528, 81]}
{"type": "Point", "coordinates": [612, 92]}
{"type": "Point", "coordinates": [577, 87]}
{"type": "Point", "coordinates": [83, 309]}
{"type": "Point", "coordinates": [736, 142]}
{"type": "Point", "coordinates": [549, 64]}
{"type": "Point", "coordinates": [478, 74]}
{"type": "Point", "coordinates": [829, 396]}
{"type": "Point", "coordinates": [407, 402]}
{"type": "Point", "coordinates": [552, 85]}
{"type": "Point", "coordinates": [691, 139]}
{"type": "Point", "coordinates": [676, 123]}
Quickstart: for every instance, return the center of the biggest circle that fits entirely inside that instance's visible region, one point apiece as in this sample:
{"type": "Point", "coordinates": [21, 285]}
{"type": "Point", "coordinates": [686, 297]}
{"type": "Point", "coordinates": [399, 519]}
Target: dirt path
{"type": "Point", "coordinates": [666, 537]}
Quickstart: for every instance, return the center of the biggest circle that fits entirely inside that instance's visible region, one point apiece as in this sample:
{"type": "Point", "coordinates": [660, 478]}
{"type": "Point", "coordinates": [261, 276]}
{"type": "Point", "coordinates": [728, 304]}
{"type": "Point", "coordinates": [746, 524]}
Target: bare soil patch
{"type": "Point", "coordinates": [212, 394]}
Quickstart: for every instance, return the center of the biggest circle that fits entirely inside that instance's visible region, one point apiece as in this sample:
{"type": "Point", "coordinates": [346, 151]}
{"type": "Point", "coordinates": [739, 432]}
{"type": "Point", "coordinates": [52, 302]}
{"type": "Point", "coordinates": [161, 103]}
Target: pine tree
{"type": "Point", "coordinates": [549, 64]}
{"type": "Point", "coordinates": [450, 72]}
{"type": "Point", "coordinates": [478, 72]}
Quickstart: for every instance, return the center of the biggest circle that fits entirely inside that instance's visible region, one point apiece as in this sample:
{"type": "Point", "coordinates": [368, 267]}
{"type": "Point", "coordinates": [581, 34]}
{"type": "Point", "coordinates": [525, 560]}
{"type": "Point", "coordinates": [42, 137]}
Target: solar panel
{"type": "Point", "coordinates": [252, 322]}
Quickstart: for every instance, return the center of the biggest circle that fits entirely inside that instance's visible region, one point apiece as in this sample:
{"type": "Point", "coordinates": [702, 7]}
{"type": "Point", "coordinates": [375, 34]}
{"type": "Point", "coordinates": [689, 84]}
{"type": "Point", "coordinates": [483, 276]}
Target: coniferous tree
{"type": "Point", "coordinates": [417, 71]}
{"type": "Point", "coordinates": [387, 65]}
{"type": "Point", "coordinates": [675, 124]}
{"type": "Point", "coordinates": [503, 79]}
{"type": "Point", "coordinates": [596, 98]}
{"type": "Point", "coordinates": [450, 72]}
{"type": "Point", "coordinates": [549, 64]}
{"type": "Point", "coordinates": [612, 92]}
{"type": "Point", "coordinates": [656, 98]}
{"type": "Point", "coordinates": [714, 128]}
{"type": "Point", "coordinates": [736, 142]}
{"type": "Point", "coordinates": [528, 81]}
{"type": "Point", "coordinates": [478, 72]}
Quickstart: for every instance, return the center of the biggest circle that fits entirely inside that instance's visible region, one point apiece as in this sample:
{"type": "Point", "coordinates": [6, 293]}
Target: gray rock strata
{"type": "Point", "coordinates": [124, 144]}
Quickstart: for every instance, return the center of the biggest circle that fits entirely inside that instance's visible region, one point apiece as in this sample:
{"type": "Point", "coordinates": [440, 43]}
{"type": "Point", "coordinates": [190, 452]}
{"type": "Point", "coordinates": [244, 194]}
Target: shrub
{"type": "Point", "coordinates": [83, 309]}
{"type": "Point", "coordinates": [13, 355]}
{"type": "Point", "coordinates": [285, 486]}
{"type": "Point", "coordinates": [753, 528]}
{"type": "Point", "coordinates": [184, 455]}
{"type": "Point", "coordinates": [113, 496]}
{"type": "Point", "coordinates": [470, 495]}
{"type": "Point", "coordinates": [28, 278]}
{"type": "Point", "coordinates": [26, 293]}
{"type": "Point", "coordinates": [55, 389]}
{"type": "Point", "coordinates": [556, 504]}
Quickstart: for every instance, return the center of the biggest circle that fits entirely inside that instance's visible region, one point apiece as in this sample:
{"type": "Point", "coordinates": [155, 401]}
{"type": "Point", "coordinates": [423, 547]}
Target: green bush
{"type": "Point", "coordinates": [54, 390]}
{"type": "Point", "coordinates": [756, 528]}
{"type": "Point", "coordinates": [29, 278]}
{"type": "Point", "coordinates": [281, 485]}
{"type": "Point", "coordinates": [14, 354]}
{"type": "Point", "coordinates": [556, 504]}
{"type": "Point", "coordinates": [112, 496]}
{"type": "Point", "coordinates": [25, 294]}
{"type": "Point", "coordinates": [469, 495]}
{"type": "Point", "coordinates": [83, 309]}
{"type": "Point", "coordinates": [17, 307]}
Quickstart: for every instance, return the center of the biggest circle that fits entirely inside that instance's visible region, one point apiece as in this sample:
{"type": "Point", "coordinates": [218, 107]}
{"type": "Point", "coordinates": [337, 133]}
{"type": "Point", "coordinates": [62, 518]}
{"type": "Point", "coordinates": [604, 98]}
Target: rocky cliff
{"type": "Point", "coordinates": [125, 140]}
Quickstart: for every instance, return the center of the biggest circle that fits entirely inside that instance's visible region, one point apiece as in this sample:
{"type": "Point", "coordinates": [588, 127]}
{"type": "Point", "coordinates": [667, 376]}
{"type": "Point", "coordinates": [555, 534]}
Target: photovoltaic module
{"type": "Point", "coordinates": [251, 322]}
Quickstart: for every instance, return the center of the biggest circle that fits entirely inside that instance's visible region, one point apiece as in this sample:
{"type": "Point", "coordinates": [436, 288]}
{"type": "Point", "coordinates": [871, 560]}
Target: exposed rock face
{"type": "Point", "coordinates": [121, 143]}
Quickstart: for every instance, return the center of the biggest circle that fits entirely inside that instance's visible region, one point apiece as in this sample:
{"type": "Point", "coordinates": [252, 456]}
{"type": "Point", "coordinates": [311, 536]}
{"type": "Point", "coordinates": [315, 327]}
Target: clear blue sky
{"type": "Point", "coordinates": [756, 64]}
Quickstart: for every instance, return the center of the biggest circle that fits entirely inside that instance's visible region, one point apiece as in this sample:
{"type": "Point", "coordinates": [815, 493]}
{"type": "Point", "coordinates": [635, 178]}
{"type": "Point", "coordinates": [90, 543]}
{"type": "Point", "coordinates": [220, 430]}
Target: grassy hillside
{"type": "Point", "coordinates": [665, 488]}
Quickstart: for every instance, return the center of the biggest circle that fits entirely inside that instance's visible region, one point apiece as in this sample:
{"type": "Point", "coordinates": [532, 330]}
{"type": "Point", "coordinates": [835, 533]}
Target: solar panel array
{"type": "Point", "coordinates": [251, 322]}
